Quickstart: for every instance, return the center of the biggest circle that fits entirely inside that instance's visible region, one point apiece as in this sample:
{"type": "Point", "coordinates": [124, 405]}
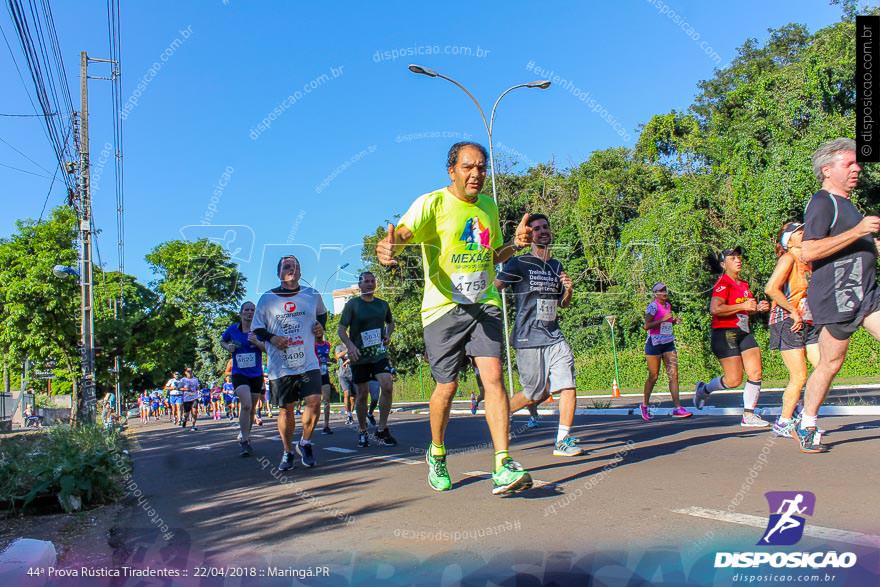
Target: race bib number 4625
{"type": "Point", "coordinates": [246, 360]}
{"type": "Point", "coordinates": [468, 288]}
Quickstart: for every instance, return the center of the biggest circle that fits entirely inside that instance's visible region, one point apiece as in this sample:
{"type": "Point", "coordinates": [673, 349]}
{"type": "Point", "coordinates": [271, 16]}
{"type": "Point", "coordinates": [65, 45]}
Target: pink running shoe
{"type": "Point", "coordinates": [680, 412]}
{"type": "Point", "coordinates": [646, 415]}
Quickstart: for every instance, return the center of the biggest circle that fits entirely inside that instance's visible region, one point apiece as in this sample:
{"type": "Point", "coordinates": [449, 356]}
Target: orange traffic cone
{"type": "Point", "coordinates": [615, 389]}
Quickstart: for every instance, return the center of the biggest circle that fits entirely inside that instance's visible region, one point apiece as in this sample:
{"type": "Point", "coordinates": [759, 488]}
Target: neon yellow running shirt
{"type": "Point", "coordinates": [458, 239]}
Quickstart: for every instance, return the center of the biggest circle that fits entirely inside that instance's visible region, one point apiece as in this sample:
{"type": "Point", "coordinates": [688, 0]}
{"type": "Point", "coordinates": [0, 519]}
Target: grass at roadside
{"type": "Point", "coordinates": [60, 468]}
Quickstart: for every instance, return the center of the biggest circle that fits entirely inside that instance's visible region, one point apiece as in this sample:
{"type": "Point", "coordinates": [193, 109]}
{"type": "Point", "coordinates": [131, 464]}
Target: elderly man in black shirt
{"type": "Point", "coordinates": [843, 294]}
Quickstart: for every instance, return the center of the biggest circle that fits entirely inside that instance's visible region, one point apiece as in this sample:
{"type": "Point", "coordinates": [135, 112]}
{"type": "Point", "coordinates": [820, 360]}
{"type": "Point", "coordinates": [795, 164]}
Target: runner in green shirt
{"type": "Point", "coordinates": [365, 329]}
{"type": "Point", "coordinates": [461, 241]}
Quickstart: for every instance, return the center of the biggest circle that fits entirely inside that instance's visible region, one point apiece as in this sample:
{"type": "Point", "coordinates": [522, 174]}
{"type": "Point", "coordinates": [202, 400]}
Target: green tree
{"type": "Point", "coordinates": [200, 289]}
{"type": "Point", "coordinates": [40, 312]}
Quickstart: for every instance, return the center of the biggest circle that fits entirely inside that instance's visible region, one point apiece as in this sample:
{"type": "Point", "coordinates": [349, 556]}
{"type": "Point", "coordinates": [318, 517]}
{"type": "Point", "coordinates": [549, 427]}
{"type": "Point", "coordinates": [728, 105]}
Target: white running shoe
{"type": "Point", "coordinates": [752, 420]}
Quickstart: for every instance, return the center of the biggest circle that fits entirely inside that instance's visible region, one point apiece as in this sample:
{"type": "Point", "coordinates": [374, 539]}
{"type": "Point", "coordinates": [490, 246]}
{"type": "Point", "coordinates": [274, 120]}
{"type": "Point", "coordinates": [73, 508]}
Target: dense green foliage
{"type": "Point", "coordinates": [79, 467]}
{"type": "Point", "coordinates": [730, 170]}
{"type": "Point", "coordinates": [175, 321]}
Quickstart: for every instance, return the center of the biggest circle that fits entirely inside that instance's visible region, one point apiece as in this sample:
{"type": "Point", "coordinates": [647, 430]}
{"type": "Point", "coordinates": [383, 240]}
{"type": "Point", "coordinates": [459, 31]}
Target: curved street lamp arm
{"type": "Point", "coordinates": [495, 106]}
{"type": "Point", "coordinates": [471, 96]}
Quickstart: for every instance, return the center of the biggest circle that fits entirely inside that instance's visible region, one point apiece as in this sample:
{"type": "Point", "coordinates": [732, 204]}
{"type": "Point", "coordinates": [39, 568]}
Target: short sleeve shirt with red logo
{"type": "Point", "coordinates": [731, 291]}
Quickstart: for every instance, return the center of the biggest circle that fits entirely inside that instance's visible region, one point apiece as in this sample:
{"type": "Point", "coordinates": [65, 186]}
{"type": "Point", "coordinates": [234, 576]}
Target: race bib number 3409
{"type": "Point", "coordinates": [295, 357]}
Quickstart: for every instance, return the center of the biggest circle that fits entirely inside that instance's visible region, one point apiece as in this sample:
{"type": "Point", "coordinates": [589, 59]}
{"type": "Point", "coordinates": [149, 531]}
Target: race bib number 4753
{"type": "Point", "coordinates": [468, 288]}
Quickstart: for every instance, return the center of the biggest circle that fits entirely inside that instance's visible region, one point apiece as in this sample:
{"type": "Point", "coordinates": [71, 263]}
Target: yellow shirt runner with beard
{"type": "Point", "coordinates": [458, 239]}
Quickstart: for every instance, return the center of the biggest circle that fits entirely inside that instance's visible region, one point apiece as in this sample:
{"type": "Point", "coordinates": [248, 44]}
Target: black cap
{"type": "Point", "coordinates": [736, 251]}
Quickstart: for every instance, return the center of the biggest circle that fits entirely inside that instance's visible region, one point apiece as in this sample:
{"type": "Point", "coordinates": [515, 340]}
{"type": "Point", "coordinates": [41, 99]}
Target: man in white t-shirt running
{"type": "Point", "coordinates": [290, 317]}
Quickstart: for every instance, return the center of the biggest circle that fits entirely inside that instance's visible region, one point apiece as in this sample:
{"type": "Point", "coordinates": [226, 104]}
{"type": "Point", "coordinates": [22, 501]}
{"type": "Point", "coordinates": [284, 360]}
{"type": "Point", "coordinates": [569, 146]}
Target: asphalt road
{"type": "Point", "coordinates": [690, 485]}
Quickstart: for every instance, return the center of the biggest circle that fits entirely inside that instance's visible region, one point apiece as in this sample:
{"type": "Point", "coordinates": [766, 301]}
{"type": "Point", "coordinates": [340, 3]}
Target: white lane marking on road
{"type": "Point", "coordinates": [397, 459]}
{"type": "Point", "coordinates": [821, 532]}
{"type": "Point", "coordinates": [392, 458]}
{"type": "Point", "coordinates": [339, 449]}
{"type": "Point", "coordinates": [205, 447]}
{"type": "Point", "coordinates": [488, 475]}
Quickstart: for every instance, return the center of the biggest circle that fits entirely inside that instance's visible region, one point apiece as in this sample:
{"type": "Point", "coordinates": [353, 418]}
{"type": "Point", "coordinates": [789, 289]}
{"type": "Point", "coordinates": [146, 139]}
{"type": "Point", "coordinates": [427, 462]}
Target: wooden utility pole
{"type": "Point", "coordinates": [87, 404]}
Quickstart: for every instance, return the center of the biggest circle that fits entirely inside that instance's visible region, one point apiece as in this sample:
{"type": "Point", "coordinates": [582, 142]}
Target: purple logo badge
{"type": "Point", "coordinates": [786, 524]}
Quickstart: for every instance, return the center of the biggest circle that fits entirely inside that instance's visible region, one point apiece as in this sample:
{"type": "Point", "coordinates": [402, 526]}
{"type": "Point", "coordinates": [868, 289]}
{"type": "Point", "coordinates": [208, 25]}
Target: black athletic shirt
{"type": "Point", "coordinates": [537, 289]}
{"type": "Point", "coordinates": [844, 283]}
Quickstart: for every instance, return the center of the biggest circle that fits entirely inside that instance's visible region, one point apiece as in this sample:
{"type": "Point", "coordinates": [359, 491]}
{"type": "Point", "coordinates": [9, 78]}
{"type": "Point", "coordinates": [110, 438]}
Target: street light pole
{"type": "Point", "coordinates": [540, 84]}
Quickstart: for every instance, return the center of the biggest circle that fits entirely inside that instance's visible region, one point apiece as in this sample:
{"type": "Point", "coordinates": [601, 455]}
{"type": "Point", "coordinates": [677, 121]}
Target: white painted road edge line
{"type": "Point", "coordinates": [821, 532]}
{"type": "Point", "coordinates": [707, 411]}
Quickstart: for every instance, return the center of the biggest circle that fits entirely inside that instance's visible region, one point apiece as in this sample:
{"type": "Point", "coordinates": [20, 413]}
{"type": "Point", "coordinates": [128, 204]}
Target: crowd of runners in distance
{"type": "Point", "coordinates": [822, 290]}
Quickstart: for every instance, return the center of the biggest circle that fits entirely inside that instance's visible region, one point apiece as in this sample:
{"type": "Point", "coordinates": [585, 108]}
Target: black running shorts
{"type": "Point", "coordinates": [731, 342]}
{"type": "Point", "coordinates": [289, 389]}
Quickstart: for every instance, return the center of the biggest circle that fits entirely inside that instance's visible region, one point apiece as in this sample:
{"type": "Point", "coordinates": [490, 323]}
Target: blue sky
{"type": "Point", "coordinates": [355, 137]}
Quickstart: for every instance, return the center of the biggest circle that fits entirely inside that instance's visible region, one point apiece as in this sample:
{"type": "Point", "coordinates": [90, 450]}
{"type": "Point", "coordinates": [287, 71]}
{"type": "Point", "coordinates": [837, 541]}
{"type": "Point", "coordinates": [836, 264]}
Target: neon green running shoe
{"type": "Point", "coordinates": [438, 476]}
{"type": "Point", "coordinates": [510, 478]}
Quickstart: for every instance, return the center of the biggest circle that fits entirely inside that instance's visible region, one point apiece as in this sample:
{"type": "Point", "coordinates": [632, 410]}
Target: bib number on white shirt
{"type": "Point", "coordinates": [371, 337]}
{"type": "Point", "coordinates": [246, 360]}
{"type": "Point", "coordinates": [295, 357]}
{"type": "Point", "coordinates": [468, 288]}
{"type": "Point", "coordinates": [666, 329]}
{"type": "Point", "coordinates": [546, 310]}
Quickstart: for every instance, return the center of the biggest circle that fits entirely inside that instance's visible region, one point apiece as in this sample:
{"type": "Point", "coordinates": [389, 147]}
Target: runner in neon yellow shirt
{"type": "Point", "coordinates": [460, 236]}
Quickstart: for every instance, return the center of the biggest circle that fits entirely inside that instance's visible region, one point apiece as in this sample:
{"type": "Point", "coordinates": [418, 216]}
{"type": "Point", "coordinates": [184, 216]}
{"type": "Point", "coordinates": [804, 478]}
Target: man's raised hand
{"type": "Point", "coordinates": [523, 236]}
{"type": "Point", "coordinates": [385, 248]}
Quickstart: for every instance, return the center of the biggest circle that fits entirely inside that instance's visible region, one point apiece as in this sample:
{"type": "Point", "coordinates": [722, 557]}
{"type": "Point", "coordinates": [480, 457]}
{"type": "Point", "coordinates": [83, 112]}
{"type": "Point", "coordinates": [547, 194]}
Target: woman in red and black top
{"type": "Point", "coordinates": [732, 339]}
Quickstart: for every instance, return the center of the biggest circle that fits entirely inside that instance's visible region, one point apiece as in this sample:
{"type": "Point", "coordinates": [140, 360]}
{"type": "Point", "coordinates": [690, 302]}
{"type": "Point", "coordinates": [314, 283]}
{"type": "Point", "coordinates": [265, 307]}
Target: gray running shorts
{"type": "Point", "coordinates": [472, 330]}
{"type": "Point", "coordinates": [539, 366]}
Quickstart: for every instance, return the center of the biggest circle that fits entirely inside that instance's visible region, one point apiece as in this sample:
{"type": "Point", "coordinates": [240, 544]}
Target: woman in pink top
{"type": "Point", "coordinates": [660, 346]}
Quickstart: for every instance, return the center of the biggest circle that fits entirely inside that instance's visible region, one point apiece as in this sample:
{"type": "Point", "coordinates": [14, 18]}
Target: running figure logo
{"type": "Point", "coordinates": [475, 234]}
{"type": "Point", "coordinates": [786, 526]}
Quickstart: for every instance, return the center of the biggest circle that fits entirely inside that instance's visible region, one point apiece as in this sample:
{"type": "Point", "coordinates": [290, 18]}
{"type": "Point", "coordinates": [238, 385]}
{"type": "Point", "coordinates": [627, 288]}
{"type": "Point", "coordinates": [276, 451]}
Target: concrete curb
{"type": "Point", "coordinates": [684, 392]}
